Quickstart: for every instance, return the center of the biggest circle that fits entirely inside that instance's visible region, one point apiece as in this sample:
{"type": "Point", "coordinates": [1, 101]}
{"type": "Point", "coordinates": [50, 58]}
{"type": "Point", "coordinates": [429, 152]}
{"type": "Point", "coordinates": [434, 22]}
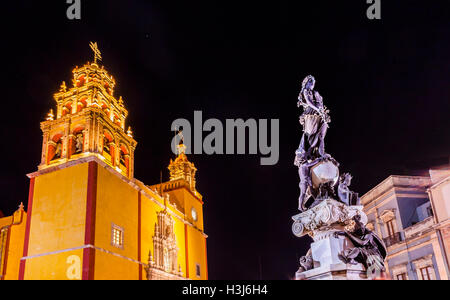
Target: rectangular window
{"type": "Point", "coordinates": [390, 227]}
{"type": "Point", "coordinates": [429, 211]}
{"type": "Point", "coordinates": [197, 270]}
{"type": "Point", "coordinates": [426, 273]}
{"type": "Point", "coordinates": [117, 236]}
{"type": "Point", "coordinates": [401, 276]}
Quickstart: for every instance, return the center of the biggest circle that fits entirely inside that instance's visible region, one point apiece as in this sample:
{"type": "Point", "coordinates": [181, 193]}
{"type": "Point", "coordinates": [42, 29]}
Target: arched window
{"type": "Point", "coordinates": [124, 158]}
{"type": "Point", "coordinates": [104, 107]}
{"type": "Point", "coordinates": [67, 108]}
{"type": "Point", "coordinates": [80, 80]}
{"type": "Point", "coordinates": [116, 120]}
{"type": "Point", "coordinates": [54, 150]}
{"type": "Point", "coordinates": [108, 146]}
{"type": "Point", "coordinates": [82, 103]}
{"type": "Point", "coordinates": [77, 142]}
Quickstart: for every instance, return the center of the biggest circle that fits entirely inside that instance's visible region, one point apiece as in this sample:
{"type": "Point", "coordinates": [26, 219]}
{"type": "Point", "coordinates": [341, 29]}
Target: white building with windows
{"type": "Point", "coordinates": [411, 214]}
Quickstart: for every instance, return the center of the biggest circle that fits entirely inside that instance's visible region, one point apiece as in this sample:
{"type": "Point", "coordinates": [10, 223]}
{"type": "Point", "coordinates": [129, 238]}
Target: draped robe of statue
{"type": "Point", "coordinates": [315, 124]}
{"type": "Point", "coordinates": [368, 249]}
{"type": "Point", "coordinates": [311, 150]}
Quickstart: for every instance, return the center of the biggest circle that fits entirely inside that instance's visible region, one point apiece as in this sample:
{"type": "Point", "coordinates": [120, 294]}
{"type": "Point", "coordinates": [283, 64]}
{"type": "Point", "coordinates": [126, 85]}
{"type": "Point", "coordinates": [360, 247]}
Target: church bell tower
{"type": "Point", "coordinates": [89, 121]}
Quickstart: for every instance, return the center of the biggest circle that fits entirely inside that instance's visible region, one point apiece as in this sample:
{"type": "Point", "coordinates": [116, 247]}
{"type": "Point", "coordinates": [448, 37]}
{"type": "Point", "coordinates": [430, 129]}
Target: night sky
{"type": "Point", "coordinates": [386, 82]}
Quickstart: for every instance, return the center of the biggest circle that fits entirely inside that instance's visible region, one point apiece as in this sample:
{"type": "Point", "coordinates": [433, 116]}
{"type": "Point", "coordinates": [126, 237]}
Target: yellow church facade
{"type": "Point", "coordinates": [87, 216]}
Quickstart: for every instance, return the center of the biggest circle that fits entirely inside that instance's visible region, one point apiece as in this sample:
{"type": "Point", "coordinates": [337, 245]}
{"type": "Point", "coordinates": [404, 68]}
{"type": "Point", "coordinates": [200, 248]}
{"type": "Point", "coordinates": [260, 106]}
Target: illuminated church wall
{"type": "Point", "coordinates": [87, 216]}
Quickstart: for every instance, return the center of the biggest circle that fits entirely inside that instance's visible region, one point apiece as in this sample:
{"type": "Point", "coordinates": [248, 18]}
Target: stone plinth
{"type": "Point", "coordinates": [326, 249]}
{"type": "Point", "coordinates": [327, 264]}
{"type": "Point", "coordinates": [339, 271]}
{"type": "Point", "coordinates": [321, 222]}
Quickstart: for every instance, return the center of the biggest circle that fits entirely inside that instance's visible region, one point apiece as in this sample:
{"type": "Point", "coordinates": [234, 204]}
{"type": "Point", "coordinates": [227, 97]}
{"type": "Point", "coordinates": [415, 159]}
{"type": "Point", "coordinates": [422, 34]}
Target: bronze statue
{"type": "Point", "coordinates": [306, 262]}
{"type": "Point", "coordinates": [326, 206]}
{"type": "Point", "coordinates": [314, 120]}
{"type": "Point", "coordinates": [344, 193]}
{"type": "Point", "coordinates": [311, 151]}
{"type": "Point", "coordinates": [369, 248]}
{"type": "Point", "coordinates": [305, 183]}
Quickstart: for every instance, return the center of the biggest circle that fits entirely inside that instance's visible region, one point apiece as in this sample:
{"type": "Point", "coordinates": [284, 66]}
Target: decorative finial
{"type": "Point", "coordinates": [97, 53]}
{"type": "Point", "coordinates": [21, 206]}
{"type": "Point", "coordinates": [129, 132]}
{"type": "Point", "coordinates": [63, 87]}
{"type": "Point", "coordinates": [120, 101]}
{"type": "Point", "coordinates": [50, 115]}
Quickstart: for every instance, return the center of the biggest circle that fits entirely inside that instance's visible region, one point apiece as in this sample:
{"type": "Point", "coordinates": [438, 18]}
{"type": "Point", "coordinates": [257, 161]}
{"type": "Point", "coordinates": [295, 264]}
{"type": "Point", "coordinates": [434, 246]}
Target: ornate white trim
{"type": "Point", "coordinates": [327, 215]}
{"type": "Point", "coordinates": [387, 215]}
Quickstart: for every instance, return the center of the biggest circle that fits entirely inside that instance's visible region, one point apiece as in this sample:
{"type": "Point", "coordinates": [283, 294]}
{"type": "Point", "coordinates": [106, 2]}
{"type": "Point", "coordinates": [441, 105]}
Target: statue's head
{"type": "Point", "coordinates": [346, 179]}
{"type": "Point", "coordinates": [359, 226]}
{"type": "Point", "coordinates": [308, 83]}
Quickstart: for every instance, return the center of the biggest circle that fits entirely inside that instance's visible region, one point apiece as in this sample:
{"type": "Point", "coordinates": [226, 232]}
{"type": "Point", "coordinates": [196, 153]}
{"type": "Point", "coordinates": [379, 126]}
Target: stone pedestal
{"type": "Point", "coordinates": [325, 252]}
{"type": "Point", "coordinates": [322, 222]}
{"type": "Point", "coordinates": [339, 271]}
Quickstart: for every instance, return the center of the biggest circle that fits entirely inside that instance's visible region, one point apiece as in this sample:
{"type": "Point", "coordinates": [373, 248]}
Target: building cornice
{"type": "Point", "coordinates": [136, 184]}
{"type": "Point", "coordinates": [395, 181]}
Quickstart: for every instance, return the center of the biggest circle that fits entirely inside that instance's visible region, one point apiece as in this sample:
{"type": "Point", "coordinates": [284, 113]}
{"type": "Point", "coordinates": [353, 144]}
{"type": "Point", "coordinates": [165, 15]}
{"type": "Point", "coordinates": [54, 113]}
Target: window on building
{"type": "Point", "coordinates": [117, 236]}
{"type": "Point", "coordinates": [106, 145]}
{"type": "Point", "coordinates": [390, 227]}
{"type": "Point", "coordinates": [78, 143]}
{"type": "Point", "coordinates": [401, 276]}
{"type": "Point", "coordinates": [429, 211]}
{"type": "Point", "coordinates": [197, 270]}
{"type": "Point", "coordinates": [425, 272]}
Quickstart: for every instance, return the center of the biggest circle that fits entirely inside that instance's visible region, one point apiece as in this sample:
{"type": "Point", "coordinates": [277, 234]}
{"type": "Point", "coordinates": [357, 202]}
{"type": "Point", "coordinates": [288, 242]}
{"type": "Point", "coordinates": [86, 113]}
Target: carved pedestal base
{"type": "Point", "coordinates": [321, 223]}
{"type": "Point", "coordinates": [325, 251]}
{"type": "Point", "coordinates": [339, 271]}
{"type": "Point", "coordinates": [326, 262]}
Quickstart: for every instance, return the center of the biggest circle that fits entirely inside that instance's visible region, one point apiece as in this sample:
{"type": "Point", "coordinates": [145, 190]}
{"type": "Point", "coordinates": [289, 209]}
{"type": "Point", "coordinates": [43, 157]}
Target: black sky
{"type": "Point", "coordinates": [385, 81]}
